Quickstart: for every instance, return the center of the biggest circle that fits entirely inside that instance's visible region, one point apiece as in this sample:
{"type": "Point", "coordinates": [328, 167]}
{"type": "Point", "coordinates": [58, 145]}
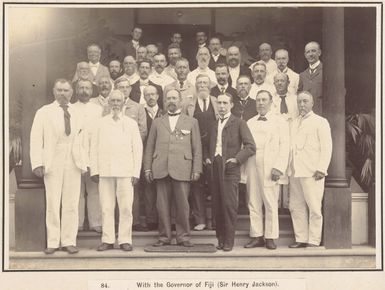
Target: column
{"type": "Point", "coordinates": [337, 199]}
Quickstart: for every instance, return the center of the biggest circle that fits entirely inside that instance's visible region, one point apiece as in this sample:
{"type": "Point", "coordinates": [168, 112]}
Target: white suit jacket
{"type": "Point", "coordinates": [292, 106]}
{"type": "Point", "coordinates": [311, 145]}
{"type": "Point", "coordinates": [47, 128]}
{"type": "Point", "coordinates": [116, 148]}
{"type": "Point", "coordinates": [276, 149]}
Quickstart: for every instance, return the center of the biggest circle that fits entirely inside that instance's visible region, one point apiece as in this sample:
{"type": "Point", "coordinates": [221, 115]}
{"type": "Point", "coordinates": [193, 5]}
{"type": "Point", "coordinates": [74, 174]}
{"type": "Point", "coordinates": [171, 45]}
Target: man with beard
{"type": "Point", "coordinates": [204, 109]}
{"type": "Point", "coordinates": [203, 58]}
{"type": "Point", "coordinates": [159, 75]}
{"type": "Point", "coordinates": [58, 151]}
{"type": "Point", "coordinates": [218, 54]}
{"type": "Point", "coordinates": [97, 70]}
{"type": "Point", "coordinates": [244, 107]}
{"type": "Point", "coordinates": [259, 76]}
{"type": "Point", "coordinates": [115, 69]}
{"type": "Point", "coordinates": [265, 53]}
{"type": "Point", "coordinates": [152, 50]}
{"type": "Point", "coordinates": [144, 70]}
{"type": "Point", "coordinates": [129, 65]}
{"type": "Point", "coordinates": [116, 159]}
{"type": "Point", "coordinates": [173, 158]}
{"type": "Point", "coordinates": [141, 53]}
{"type": "Point", "coordinates": [104, 87]}
{"type": "Point", "coordinates": [182, 85]}
{"type": "Point", "coordinates": [222, 75]}
{"type": "Point", "coordinates": [264, 171]}
{"type": "Point", "coordinates": [132, 46]}
{"type": "Point", "coordinates": [174, 53]}
{"type": "Point", "coordinates": [83, 72]}
{"type": "Point", "coordinates": [235, 67]}
{"type": "Point", "coordinates": [230, 145]}
{"type": "Point", "coordinates": [282, 59]}
{"type": "Point", "coordinates": [311, 79]}
{"type": "Point", "coordinates": [90, 114]}
{"type": "Point", "coordinates": [200, 38]}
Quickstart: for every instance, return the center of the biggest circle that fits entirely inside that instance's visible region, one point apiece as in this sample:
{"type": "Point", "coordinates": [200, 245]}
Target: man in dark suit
{"type": "Point", "coordinates": [216, 50]}
{"type": "Point", "coordinates": [200, 38]}
{"type": "Point", "coordinates": [235, 67]}
{"type": "Point", "coordinates": [204, 109]}
{"type": "Point", "coordinates": [311, 79]}
{"type": "Point", "coordinates": [132, 46]}
{"type": "Point", "coordinates": [222, 74]}
{"type": "Point", "coordinates": [173, 157]}
{"type": "Point", "coordinates": [244, 107]}
{"type": "Point", "coordinates": [231, 144]}
{"type": "Point", "coordinates": [144, 70]}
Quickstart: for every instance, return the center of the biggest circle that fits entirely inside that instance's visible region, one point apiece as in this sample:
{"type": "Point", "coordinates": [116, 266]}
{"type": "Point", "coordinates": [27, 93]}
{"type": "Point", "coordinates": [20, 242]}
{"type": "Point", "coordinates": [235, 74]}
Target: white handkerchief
{"type": "Point", "coordinates": [185, 132]}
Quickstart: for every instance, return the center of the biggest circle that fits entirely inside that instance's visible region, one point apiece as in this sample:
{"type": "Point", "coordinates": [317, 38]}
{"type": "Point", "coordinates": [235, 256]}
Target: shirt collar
{"type": "Point", "coordinates": [235, 68]}
{"type": "Point", "coordinates": [201, 45]}
{"type": "Point", "coordinates": [226, 116]}
{"type": "Point", "coordinates": [153, 109]}
{"type": "Point", "coordinates": [267, 115]}
{"type": "Point", "coordinates": [307, 115]}
{"type": "Point", "coordinates": [314, 65]}
{"type": "Point", "coordinates": [176, 112]}
{"type": "Point", "coordinates": [93, 64]}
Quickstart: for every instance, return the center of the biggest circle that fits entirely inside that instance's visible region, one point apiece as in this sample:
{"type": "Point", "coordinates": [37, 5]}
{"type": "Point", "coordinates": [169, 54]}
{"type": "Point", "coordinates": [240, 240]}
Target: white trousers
{"type": "Point", "coordinates": [110, 189]}
{"type": "Point", "coordinates": [93, 202]}
{"type": "Point", "coordinates": [305, 207]}
{"type": "Point", "coordinates": [258, 196]}
{"type": "Point", "coordinates": [62, 185]}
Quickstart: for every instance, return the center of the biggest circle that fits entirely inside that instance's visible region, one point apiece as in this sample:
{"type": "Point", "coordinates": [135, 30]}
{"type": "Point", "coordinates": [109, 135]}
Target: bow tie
{"type": "Point", "coordinates": [173, 114]}
{"type": "Point", "coordinates": [262, 118]}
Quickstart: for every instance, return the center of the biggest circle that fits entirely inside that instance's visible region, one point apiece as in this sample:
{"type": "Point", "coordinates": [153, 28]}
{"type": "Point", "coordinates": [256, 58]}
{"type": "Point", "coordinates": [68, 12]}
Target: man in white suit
{"type": "Point", "coordinates": [264, 169]}
{"type": "Point", "coordinates": [58, 154]}
{"type": "Point", "coordinates": [311, 151]}
{"type": "Point", "coordinates": [116, 158]}
{"type": "Point", "coordinates": [90, 113]}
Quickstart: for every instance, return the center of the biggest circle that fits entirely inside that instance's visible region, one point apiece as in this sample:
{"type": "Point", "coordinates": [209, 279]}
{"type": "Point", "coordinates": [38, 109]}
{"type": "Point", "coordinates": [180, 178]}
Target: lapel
{"type": "Point", "coordinates": [215, 106]}
{"type": "Point", "coordinates": [316, 73]}
{"type": "Point", "coordinates": [181, 119]}
{"type": "Point", "coordinates": [191, 107]}
{"type": "Point", "coordinates": [229, 122]}
{"type": "Point", "coordinates": [165, 122]}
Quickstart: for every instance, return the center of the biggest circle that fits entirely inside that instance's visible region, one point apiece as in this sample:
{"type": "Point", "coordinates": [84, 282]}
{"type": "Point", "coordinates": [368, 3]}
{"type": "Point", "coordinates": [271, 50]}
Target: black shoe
{"type": "Point", "coordinates": [126, 247]}
{"type": "Point", "coordinates": [71, 249]}
{"type": "Point", "coordinates": [152, 226]}
{"type": "Point", "coordinates": [50, 251]}
{"type": "Point", "coordinates": [220, 246]}
{"type": "Point", "coordinates": [139, 228]}
{"type": "Point", "coordinates": [227, 248]}
{"type": "Point", "coordinates": [104, 247]}
{"type": "Point", "coordinates": [255, 242]}
{"type": "Point", "coordinates": [186, 244]}
{"type": "Point", "coordinates": [270, 244]}
{"type": "Point", "coordinates": [161, 243]}
{"type": "Point", "coordinates": [297, 245]}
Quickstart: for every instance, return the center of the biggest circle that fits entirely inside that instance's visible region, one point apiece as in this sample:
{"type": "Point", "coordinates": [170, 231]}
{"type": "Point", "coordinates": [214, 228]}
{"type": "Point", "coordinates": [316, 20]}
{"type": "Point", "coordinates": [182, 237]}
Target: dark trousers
{"type": "Point", "coordinates": [225, 203]}
{"type": "Point", "coordinates": [198, 200]}
{"type": "Point", "coordinates": [170, 190]}
{"type": "Point", "coordinates": [150, 203]}
{"type": "Point", "coordinates": [144, 202]}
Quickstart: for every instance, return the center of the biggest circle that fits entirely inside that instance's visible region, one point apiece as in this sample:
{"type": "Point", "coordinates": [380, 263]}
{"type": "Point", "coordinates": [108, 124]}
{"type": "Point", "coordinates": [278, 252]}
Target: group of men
{"type": "Point", "coordinates": [171, 134]}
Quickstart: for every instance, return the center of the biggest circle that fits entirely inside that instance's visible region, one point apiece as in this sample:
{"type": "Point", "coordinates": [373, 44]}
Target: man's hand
{"type": "Point", "coordinates": [195, 176]}
{"type": "Point", "coordinates": [87, 173]}
{"type": "Point", "coordinates": [275, 174]}
{"type": "Point", "coordinates": [95, 178]}
{"type": "Point", "coordinates": [134, 181]}
{"type": "Point", "coordinates": [148, 176]}
{"type": "Point", "coordinates": [318, 175]}
{"type": "Point", "coordinates": [231, 163]}
{"type": "Point", "coordinates": [39, 171]}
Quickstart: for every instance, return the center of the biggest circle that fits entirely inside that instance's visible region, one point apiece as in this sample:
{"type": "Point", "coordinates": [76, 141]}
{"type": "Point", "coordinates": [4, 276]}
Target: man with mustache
{"type": "Point", "coordinates": [265, 52]}
{"type": "Point", "coordinates": [141, 53]}
{"type": "Point", "coordinates": [244, 107]}
{"type": "Point", "coordinates": [130, 69]}
{"type": "Point", "coordinates": [173, 158]}
{"type": "Point", "coordinates": [173, 53]}
{"type": "Point", "coordinates": [83, 72]}
{"type": "Point", "coordinates": [201, 41]}
{"type": "Point", "coordinates": [58, 152]}
{"type": "Point", "coordinates": [235, 67]}
{"type": "Point", "coordinates": [311, 151]}
{"type": "Point", "coordinates": [116, 159]}
{"type": "Point", "coordinates": [104, 88]}
{"type": "Point", "coordinates": [203, 58]}
{"type": "Point", "coordinates": [222, 75]}
{"type": "Point", "coordinates": [159, 75]}
{"type": "Point", "coordinates": [90, 114]}
{"type": "Point", "coordinates": [204, 109]}
{"type": "Point", "coordinates": [218, 53]}
{"type": "Point", "coordinates": [259, 76]}
{"type": "Point", "coordinates": [152, 50]}
{"type": "Point", "coordinates": [144, 70]}
{"type": "Point", "coordinates": [115, 69]}
{"type": "Point", "coordinates": [311, 79]}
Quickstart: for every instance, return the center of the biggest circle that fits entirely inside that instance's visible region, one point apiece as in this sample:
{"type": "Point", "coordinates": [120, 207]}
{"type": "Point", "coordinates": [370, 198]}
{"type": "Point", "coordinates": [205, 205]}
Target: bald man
{"type": "Point", "coordinates": [265, 52]}
{"type": "Point", "coordinates": [311, 78]}
{"type": "Point", "coordinates": [235, 67]}
{"type": "Point", "coordinates": [130, 69]}
{"type": "Point", "coordinates": [203, 59]}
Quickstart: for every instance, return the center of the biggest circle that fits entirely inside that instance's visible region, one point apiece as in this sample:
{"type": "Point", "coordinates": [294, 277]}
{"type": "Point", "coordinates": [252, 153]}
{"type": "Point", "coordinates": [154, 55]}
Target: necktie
{"type": "Point", "coordinates": [204, 105]}
{"type": "Point", "coordinates": [173, 114]}
{"type": "Point", "coordinates": [284, 109]}
{"type": "Point", "coordinates": [262, 118]}
{"type": "Point", "coordinates": [243, 102]}
{"type": "Point", "coordinates": [312, 70]}
{"type": "Point", "coordinates": [181, 84]}
{"type": "Point", "coordinates": [222, 90]}
{"type": "Point", "coordinates": [67, 119]}
{"type": "Point", "coordinates": [222, 119]}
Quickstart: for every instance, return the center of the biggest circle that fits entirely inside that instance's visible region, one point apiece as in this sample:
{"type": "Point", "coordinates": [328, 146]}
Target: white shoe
{"type": "Point", "coordinates": [199, 227]}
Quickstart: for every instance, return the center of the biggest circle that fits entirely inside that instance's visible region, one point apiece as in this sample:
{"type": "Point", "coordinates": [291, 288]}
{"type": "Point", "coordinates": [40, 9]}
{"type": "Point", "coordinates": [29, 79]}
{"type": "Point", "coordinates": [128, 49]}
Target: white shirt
{"type": "Point", "coordinates": [221, 125]}
{"type": "Point", "coordinates": [255, 88]}
{"type": "Point", "coordinates": [173, 120]}
{"type": "Point", "coordinates": [94, 67]}
{"type": "Point", "coordinates": [291, 102]}
{"type": "Point", "coordinates": [215, 57]}
{"type": "Point", "coordinates": [100, 101]}
{"type": "Point", "coordinates": [135, 44]}
{"type": "Point", "coordinates": [314, 65]}
{"type": "Point", "coordinates": [90, 114]}
{"type": "Point", "coordinates": [191, 77]}
{"type": "Point", "coordinates": [152, 110]}
{"type": "Point", "coordinates": [142, 85]}
{"type": "Point", "coordinates": [220, 87]}
{"type": "Point", "coordinates": [271, 67]}
{"type": "Point", "coordinates": [132, 79]}
{"type": "Point", "coordinates": [261, 132]}
{"type": "Point", "coordinates": [234, 74]}
{"type": "Point", "coordinates": [201, 103]}
{"type": "Point", "coordinates": [162, 79]}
